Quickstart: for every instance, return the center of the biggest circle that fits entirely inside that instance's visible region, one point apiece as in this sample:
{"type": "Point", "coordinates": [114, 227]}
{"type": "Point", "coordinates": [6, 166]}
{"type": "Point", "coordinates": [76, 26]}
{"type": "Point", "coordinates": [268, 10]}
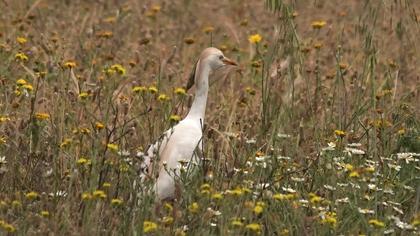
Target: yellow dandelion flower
{"type": "Point", "coordinates": [109, 71]}
{"type": "Point", "coordinates": [66, 142]}
{"type": "Point", "coordinates": [4, 119]}
{"type": "Point", "coordinates": [217, 196]}
{"type": "Point", "coordinates": [180, 91]}
{"type": "Point", "coordinates": [8, 227]}
{"type": "Point", "coordinates": [340, 133]}
{"type": "Point", "coordinates": [329, 218]}
{"type": "Point", "coordinates": [28, 87]}
{"type": "Point", "coordinates": [167, 220]}
{"type": "Point", "coordinates": [401, 131]}
{"type": "Point", "coordinates": [163, 97]}
{"type": "Point", "coordinates": [42, 116]}
{"type": "Point", "coordinates": [236, 222]}
{"type": "Point", "coordinates": [118, 68]}
{"type": "Point", "coordinates": [99, 194]}
{"type": "Point", "coordinates": [82, 161]}
{"type": "Point", "coordinates": [16, 204]}
{"type": "Point", "coordinates": [194, 207]}
{"type": "Point", "coordinates": [117, 202]}
{"type": "Point", "coordinates": [168, 207]}
{"type": "Point", "coordinates": [84, 130]}
{"type": "Point", "coordinates": [149, 226]}
{"type": "Point", "coordinates": [318, 24]}
{"type": "Point", "coordinates": [314, 199]}
{"type": "Point", "coordinates": [376, 223]}
{"type": "Point", "coordinates": [174, 118]}
{"type": "Point", "coordinates": [69, 64]}
{"type": "Point", "coordinates": [153, 89]}
{"type": "Point", "coordinates": [21, 40]}
{"type": "Point", "coordinates": [83, 95]}
{"type": "Point", "coordinates": [348, 167]}
{"type": "Point", "coordinates": [124, 167]}
{"type": "Point", "coordinates": [17, 92]}
{"type": "Point", "coordinates": [86, 196]}
{"type": "Point", "coordinates": [45, 213]}
{"type": "Point", "coordinates": [250, 90]}
{"type": "Point", "coordinates": [205, 186]}
{"type": "Point", "coordinates": [32, 195]}
{"type": "Point", "coordinates": [255, 38]}
{"type": "Point", "coordinates": [99, 125]}
{"type": "Point", "coordinates": [20, 82]}
{"type": "Point", "coordinates": [354, 174]}
{"type": "Point", "coordinates": [254, 227]}
{"type": "Point", "coordinates": [21, 57]}
{"type": "Point", "coordinates": [112, 147]}
{"type": "Point", "coordinates": [258, 209]}
{"type": "Point", "coordinates": [139, 89]}
{"type": "Point", "coordinates": [106, 185]}
{"type": "Point", "coordinates": [370, 169]}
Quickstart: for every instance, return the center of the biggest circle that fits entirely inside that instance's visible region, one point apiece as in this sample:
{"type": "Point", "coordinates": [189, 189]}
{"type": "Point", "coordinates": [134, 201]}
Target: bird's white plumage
{"type": "Point", "coordinates": [179, 143]}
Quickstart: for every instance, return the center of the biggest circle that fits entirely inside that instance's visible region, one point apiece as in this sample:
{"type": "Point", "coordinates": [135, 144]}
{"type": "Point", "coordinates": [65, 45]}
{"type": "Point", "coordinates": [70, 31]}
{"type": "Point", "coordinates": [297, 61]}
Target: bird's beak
{"type": "Point", "coordinates": [228, 61]}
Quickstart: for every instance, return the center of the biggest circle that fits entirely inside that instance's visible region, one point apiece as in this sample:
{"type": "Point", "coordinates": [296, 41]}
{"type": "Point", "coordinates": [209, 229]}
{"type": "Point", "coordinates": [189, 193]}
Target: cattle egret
{"type": "Point", "coordinates": [177, 146]}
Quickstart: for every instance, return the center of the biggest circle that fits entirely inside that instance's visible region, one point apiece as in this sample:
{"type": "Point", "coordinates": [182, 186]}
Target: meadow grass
{"type": "Point", "coordinates": [316, 133]}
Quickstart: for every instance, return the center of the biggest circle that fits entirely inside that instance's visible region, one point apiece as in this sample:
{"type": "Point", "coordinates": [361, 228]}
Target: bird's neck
{"type": "Point", "coordinates": [198, 108]}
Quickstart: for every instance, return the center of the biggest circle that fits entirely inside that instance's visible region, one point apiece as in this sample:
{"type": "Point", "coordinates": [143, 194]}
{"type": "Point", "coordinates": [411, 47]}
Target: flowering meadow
{"type": "Point", "coordinates": [316, 132]}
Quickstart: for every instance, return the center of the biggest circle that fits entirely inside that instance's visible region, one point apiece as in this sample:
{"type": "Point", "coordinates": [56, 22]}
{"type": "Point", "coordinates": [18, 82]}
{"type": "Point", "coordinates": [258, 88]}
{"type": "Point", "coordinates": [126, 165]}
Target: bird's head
{"type": "Point", "coordinates": [215, 59]}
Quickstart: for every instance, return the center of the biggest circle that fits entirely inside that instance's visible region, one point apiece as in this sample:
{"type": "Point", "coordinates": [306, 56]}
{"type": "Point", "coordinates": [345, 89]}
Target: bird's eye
{"type": "Point", "coordinates": [221, 57]}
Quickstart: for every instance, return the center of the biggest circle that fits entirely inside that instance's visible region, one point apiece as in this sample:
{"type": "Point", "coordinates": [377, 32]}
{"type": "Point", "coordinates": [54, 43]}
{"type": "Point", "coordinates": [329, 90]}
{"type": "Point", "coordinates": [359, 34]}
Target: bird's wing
{"type": "Point", "coordinates": [180, 148]}
{"type": "Point", "coordinates": [152, 151]}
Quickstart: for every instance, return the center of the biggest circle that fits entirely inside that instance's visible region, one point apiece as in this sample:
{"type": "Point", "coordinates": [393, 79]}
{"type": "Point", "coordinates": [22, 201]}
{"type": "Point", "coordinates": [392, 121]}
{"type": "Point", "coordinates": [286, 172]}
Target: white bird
{"type": "Point", "coordinates": [178, 144]}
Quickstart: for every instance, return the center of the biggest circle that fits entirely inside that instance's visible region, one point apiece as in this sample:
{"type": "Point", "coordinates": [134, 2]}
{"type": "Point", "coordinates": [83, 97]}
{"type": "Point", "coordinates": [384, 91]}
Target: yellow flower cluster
{"type": "Point", "coordinates": [21, 40]}
{"type": "Point", "coordinates": [21, 57]}
{"type": "Point", "coordinates": [32, 195]}
{"type": "Point", "coordinates": [376, 223]}
{"type": "Point", "coordinates": [318, 24]}
{"type": "Point", "coordinates": [7, 227]}
{"type": "Point", "coordinates": [42, 116]}
{"type": "Point", "coordinates": [255, 38]}
{"type": "Point", "coordinates": [149, 226]}
{"type": "Point", "coordinates": [340, 133]}
{"type": "Point", "coordinates": [69, 64]}
{"type": "Point", "coordinates": [112, 147]}
{"type": "Point", "coordinates": [174, 118]}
